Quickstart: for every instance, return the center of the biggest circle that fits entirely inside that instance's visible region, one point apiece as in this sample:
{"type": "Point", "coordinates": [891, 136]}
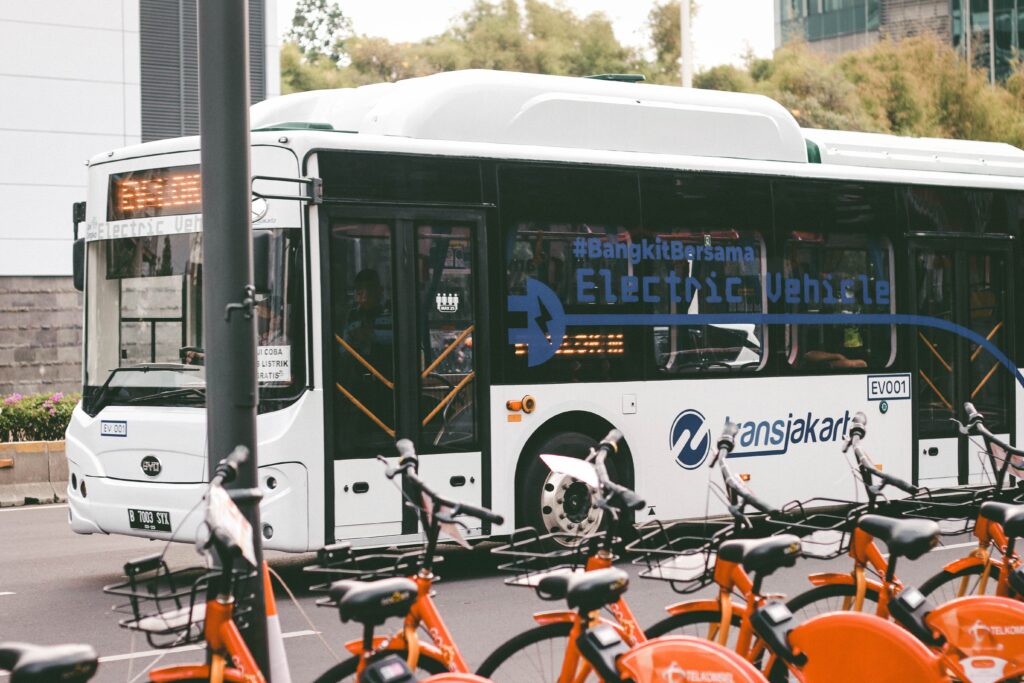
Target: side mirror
{"type": "Point", "coordinates": [78, 263]}
{"type": "Point", "coordinates": [261, 260]}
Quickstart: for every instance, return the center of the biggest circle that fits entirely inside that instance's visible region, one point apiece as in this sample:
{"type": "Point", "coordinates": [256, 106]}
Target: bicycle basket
{"type": "Point", "coordinates": [824, 525]}
{"type": "Point", "coordinates": [340, 561]}
{"type": "Point", "coordinates": [530, 555]}
{"type": "Point", "coordinates": [954, 509]}
{"type": "Point", "coordinates": [169, 607]}
{"type": "Point", "coordinates": [682, 553]}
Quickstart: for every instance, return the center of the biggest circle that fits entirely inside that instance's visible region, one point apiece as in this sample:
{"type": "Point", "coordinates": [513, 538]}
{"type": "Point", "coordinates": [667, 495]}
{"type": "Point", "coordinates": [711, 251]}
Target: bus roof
{"type": "Point", "coordinates": [559, 111]}
{"type": "Point", "coordinates": [552, 111]}
{"type": "Point", "coordinates": [876, 150]}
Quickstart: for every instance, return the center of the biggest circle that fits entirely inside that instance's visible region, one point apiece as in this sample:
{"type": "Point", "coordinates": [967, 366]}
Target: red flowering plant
{"type": "Point", "coordinates": [42, 417]}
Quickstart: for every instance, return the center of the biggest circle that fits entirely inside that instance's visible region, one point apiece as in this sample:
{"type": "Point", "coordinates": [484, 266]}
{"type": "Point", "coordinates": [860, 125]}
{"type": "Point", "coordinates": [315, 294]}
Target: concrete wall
{"type": "Point", "coordinates": [70, 84]}
{"type": "Point", "coordinates": [40, 335]}
{"type": "Point", "coordinates": [33, 472]}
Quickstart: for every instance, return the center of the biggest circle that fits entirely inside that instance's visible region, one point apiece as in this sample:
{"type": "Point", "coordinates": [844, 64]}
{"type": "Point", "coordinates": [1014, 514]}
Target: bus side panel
{"type": "Point", "coordinates": [789, 440]}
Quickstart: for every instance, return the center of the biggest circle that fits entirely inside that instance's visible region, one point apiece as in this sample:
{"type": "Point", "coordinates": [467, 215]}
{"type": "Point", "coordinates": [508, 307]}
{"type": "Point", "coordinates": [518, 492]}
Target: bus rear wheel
{"type": "Point", "coordinates": [557, 503]}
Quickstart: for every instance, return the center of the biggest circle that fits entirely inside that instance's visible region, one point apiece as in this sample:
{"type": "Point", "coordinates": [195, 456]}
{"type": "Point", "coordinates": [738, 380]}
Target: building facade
{"type": "Point", "coordinates": [79, 78]}
{"type": "Point", "coordinates": [990, 32]}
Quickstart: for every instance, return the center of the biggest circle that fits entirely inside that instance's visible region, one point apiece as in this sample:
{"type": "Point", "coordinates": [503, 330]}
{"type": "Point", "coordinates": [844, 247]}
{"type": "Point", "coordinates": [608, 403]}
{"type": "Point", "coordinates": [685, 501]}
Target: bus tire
{"type": "Point", "coordinates": [551, 502]}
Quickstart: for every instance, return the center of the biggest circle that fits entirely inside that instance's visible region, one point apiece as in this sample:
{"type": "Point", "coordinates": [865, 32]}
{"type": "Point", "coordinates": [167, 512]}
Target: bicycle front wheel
{"type": "Point", "coordinates": [831, 597]}
{"type": "Point", "coordinates": [345, 670]}
{"type": "Point", "coordinates": [533, 656]}
{"type": "Point", "coordinates": [947, 585]}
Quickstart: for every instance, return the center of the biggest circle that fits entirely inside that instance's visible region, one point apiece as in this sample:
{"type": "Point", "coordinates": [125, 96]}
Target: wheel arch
{"type": "Point", "coordinates": [582, 421]}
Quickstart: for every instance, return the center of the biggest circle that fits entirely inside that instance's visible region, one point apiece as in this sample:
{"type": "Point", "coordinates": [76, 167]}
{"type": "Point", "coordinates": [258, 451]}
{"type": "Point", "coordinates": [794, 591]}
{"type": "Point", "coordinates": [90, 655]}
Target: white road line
{"type": "Point", "coordinates": [29, 508]}
{"type": "Point", "coordinates": [185, 648]}
{"type": "Point", "coordinates": [6, 593]}
{"type": "Point", "coordinates": [954, 546]}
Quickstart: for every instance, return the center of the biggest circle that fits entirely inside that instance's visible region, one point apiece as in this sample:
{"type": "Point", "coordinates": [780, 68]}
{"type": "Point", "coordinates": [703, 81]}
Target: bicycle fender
{"type": "Point", "coordinates": [963, 563]}
{"type": "Point", "coordinates": [554, 617]}
{"type": "Point", "coordinates": [396, 643]}
{"type": "Point", "coordinates": [191, 672]}
{"type": "Point", "coordinates": [697, 606]}
{"type": "Point", "coordinates": [825, 578]}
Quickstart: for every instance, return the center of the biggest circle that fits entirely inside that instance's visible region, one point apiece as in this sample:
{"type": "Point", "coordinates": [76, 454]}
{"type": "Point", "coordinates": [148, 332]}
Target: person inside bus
{"type": "Point", "coordinates": [849, 339]}
{"type": "Point", "coordinates": [369, 320]}
{"type": "Point", "coordinates": [269, 322]}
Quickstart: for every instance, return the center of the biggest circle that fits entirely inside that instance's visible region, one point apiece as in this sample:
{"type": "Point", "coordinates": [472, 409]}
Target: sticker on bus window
{"type": "Point", "coordinates": [274, 363]}
{"type": "Point", "coordinates": [447, 303]}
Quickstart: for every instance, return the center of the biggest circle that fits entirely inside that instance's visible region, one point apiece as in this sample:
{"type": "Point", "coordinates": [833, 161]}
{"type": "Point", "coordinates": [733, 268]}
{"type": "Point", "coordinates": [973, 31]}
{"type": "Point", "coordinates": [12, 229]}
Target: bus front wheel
{"type": "Point", "coordinates": [557, 503]}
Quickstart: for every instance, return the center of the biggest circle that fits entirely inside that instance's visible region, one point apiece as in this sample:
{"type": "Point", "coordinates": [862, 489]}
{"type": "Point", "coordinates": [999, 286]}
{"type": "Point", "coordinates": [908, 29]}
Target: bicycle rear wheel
{"type": "Point", "coordinates": [830, 597]}
{"type": "Point", "coordinates": [345, 670]}
{"type": "Point", "coordinates": [947, 585]}
{"type": "Point", "coordinates": [533, 656]}
{"type": "Point", "coordinates": [700, 624]}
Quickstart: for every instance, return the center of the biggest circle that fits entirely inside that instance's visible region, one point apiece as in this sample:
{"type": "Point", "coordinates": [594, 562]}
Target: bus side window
{"type": "Point", "coordinates": [830, 273]}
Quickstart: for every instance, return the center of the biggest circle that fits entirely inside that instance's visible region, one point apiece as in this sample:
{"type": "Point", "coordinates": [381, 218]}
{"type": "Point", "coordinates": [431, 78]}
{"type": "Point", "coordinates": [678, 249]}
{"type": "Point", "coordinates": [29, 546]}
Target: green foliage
{"type": "Point", "coordinates": [319, 29]}
{"type": "Point", "coordinates": [42, 417]}
{"type": "Point", "coordinates": [918, 86]}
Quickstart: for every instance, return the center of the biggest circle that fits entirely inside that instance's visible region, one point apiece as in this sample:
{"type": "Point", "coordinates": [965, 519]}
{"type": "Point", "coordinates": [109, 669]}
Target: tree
{"type": "Point", "coordinates": [663, 24]}
{"type": "Point", "coordinates": [319, 29]}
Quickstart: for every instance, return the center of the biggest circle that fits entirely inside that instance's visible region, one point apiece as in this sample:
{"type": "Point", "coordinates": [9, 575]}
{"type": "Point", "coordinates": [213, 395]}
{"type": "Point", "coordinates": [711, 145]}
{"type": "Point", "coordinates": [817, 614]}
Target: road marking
{"type": "Point", "coordinates": [186, 648]}
{"type": "Point", "coordinates": [955, 545]}
{"type": "Point", "coordinates": [6, 593]}
{"type": "Point", "coordinates": [28, 508]}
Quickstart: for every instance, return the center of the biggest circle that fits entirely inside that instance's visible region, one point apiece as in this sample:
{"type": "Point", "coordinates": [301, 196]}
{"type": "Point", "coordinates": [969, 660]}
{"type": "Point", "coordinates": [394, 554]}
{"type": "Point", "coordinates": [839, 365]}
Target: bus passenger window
{"type": "Point", "coordinates": [717, 272]}
{"type": "Point", "coordinates": [837, 273]}
{"type": "Point", "coordinates": [362, 319]}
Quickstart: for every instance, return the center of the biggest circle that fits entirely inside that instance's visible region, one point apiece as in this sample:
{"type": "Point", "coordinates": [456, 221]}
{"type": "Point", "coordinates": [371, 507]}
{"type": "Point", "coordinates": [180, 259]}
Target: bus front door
{"type": "Point", "coordinates": [406, 360]}
{"type": "Point", "coordinates": [966, 281]}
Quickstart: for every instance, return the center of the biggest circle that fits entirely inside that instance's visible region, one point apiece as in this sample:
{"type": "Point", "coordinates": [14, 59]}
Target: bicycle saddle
{"type": "Point", "coordinates": [910, 538]}
{"type": "Point", "coordinates": [36, 664]}
{"type": "Point", "coordinates": [762, 555]}
{"type": "Point", "coordinates": [586, 591]}
{"type": "Point", "coordinates": [372, 602]}
{"type": "Point", "coordinates": [1007, 515]}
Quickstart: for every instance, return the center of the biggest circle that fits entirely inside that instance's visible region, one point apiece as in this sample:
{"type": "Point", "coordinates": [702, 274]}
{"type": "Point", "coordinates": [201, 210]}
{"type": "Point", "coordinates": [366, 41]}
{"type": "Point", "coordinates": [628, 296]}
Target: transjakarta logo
{"type": "Point", "coordinates": [690, 450]}
{"type": "Point", "coordinates": [690, 439]}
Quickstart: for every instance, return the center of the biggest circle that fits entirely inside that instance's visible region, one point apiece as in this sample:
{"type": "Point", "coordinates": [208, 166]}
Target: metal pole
{"type": "Point", "coordinates": [229, 326]}
{"type": "Point", "coordinates": [685, 43]}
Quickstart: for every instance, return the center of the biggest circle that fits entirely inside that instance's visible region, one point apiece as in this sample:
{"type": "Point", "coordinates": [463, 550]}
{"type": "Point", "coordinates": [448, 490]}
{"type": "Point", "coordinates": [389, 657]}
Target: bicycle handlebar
{"type": "Point", "coordinates": [726, 443]}
{"type": "Point", "coordinates": [407, 465]}
{"type": "Point", "coordinates": [976, 425]}
{"type": "Point", "coordinates": [857, 431]}
{"type": "Point", "coordinates": [618, 495]}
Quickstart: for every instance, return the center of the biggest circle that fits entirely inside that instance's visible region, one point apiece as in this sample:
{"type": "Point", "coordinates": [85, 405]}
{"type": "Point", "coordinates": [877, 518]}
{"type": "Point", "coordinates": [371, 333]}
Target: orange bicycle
{"type": "Point", "coordinates": [198, 605]}
{"type": "Point", "coordinates": [369, 602]}
{"type": "Point", "coordinates": [974, 636]}
{"type": "Point", "coordinates": [547, 650]}
{"type": "Point", "coordinates": [991, 567]}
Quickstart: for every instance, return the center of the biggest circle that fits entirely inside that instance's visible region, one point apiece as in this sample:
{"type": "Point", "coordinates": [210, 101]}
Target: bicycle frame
{"type": "Point", "coordinates": [226, 645]}
{"type": "Point", "coordinates": [423, 613]}
{"type": "Point", "coordinates": [989, 534]}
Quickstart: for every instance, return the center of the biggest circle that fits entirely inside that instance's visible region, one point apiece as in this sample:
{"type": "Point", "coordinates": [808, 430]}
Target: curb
{"type": "Point", "coordinates": [33, 472]}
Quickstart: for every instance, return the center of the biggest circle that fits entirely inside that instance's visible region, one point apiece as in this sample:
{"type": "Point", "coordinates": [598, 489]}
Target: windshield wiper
{"type": "Point", "coordinates": [193, 392]}
{"type": "Point", "coordinates": [101, 394]}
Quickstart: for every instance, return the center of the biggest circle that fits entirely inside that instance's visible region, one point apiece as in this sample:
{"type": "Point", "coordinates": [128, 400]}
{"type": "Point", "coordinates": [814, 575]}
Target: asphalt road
{"type": "Point", "coordinates": [51, 581]}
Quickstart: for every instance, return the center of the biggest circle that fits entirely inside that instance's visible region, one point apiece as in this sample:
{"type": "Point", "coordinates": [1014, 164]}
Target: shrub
{"type": "Point", "coordinates": [42, 417]}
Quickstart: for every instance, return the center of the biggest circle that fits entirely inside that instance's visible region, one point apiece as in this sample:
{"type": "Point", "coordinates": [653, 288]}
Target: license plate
{"type": "Point", "coordinates": [149, 520]}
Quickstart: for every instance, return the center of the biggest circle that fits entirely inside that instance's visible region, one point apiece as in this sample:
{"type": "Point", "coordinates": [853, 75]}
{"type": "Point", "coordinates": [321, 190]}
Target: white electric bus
{"type": "Point", "coordinates": [500, 265]}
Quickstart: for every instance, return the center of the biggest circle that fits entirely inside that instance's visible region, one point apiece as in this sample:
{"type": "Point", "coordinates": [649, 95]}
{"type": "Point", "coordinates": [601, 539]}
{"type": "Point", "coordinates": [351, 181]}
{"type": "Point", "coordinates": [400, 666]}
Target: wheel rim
{"type": "Point", "coordinates": [567, 507]}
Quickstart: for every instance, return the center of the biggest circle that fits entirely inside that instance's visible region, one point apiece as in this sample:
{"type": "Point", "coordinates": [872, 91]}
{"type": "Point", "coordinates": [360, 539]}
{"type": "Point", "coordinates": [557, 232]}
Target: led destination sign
{"type": "Point", "coordinates": [172, 191]}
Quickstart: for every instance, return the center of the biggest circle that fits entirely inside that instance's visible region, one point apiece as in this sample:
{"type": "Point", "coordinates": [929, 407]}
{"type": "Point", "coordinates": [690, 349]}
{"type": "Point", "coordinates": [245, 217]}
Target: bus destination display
{"type": "Point", "coordinates": [172, 191]}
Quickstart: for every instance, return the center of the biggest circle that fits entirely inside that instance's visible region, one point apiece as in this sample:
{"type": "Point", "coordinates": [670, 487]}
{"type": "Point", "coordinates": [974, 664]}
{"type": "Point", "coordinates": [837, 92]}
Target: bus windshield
{"type": "Point", "coordinates": [144, 327]}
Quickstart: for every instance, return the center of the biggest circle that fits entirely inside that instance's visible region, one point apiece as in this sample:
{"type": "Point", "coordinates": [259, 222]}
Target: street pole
{"type": "Point", "coordinates": [228, 324]}
{"type": "Point", "coordinates": [685, 43]}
